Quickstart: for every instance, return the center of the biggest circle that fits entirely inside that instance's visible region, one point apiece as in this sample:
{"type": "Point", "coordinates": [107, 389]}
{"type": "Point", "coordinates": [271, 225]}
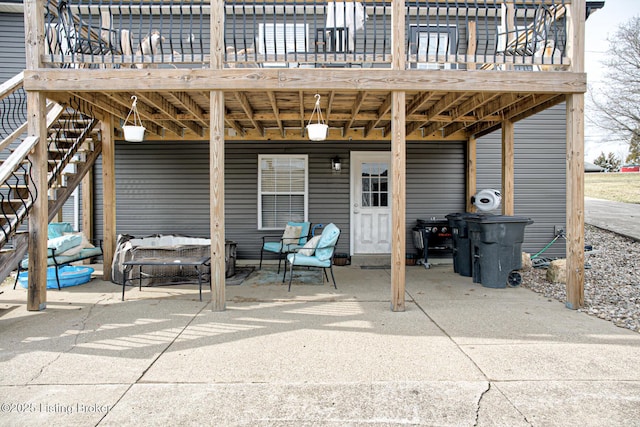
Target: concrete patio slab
{"type": "Point", "coordinates": [337, 404]}
{"type": "Point", "coordinates": [58, 405]}
{"type": "Point", "coordinates": [575, 403]}
{"type": "Point", "coordinates": [460, 354]}
{"type": "Point", "coordinates": [317, 342]}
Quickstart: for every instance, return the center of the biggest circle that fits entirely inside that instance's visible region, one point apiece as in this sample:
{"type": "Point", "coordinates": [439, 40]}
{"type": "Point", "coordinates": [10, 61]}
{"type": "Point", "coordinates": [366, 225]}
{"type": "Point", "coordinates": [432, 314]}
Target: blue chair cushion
{"type": "Point", "coordinates": [277, 247]}
{"type": "Point", "coordinates": [63, 243]}
{"type": "Point", "coordinates": [57, 229]}
{"type": "Point", "coordinates": [304, 231]}
{"type": "Point", "coordinates": [326, 245]}
{"type": "Point", "coordinates": [308, 261]}
{"type": "Point", "coordinates": [83, 254]}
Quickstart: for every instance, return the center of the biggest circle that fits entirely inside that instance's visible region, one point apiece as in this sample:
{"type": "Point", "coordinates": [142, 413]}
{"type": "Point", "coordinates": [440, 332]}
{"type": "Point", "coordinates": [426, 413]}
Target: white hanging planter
{"type": "Point", "coordinates": [317, 131]}
{"type": "Point", "coordinates": [135, 131]}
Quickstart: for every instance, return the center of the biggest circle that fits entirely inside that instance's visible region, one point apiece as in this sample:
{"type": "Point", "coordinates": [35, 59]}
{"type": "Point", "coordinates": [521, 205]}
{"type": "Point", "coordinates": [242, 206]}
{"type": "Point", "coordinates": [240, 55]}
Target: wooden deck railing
{"type": "Point", "coordinates": [446, 34]}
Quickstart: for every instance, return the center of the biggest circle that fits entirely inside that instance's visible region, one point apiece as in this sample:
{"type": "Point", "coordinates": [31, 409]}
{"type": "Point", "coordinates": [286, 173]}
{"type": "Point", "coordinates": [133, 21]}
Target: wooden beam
{"type": "Point", "coordinates": [398, 161]}
{"type": "Point", "coordinates": [87, 204]}
{"type": "Point", "coordinates": [472, 44]}
{"type": "Point", "coordinates": [246, 106]}
{"type": "Point", "coordinates": [520, 110]}
{"type": "Point", "coordinates": [217, 197]}
{"type": "Point", "coordinates": [355, 108]}
{"type": "Point", "coordinates": [38, 216]}
{"type": "Point", "coordinates": [332, 96]}
{"type": "Point", "coordinates": [575, 163]}
{"type": "Point", "coordinates": [216, 162]}
{"type": "Point", "coordinates": [508, 171]}
{"type": "Point", "coordinates": [229, 121]}
{"type": "Point", "coordinates": [384, 109]}
{"type": "Point", "coordinates": [441, 105]}
{"type": "Point", "coordinates": [188, 104]}
{"type": "Point", "coordinates": [261, 79]}
{"type": "Point", "coordinates": [494, 107]}
{"type": "Point", "coordinates": [575, 201]}
{"type": "Point", "coordinates": [37, 128]}
{"type": "Point", "coordinates": [398, 205]}
{"type": "Point", "coordinates": [109, 195]}
{"type": "Point", "coordinates": [468, 107]}
{"type": "Point", "coordinates": [109, 106]}
{"type": "Point", "coordinates": [146, 113]}
{"type": "Point", "coordinates": [276, 111]}
{"type": "Point", "coordinates": [471, 172]}
{"type": "Point", "coordinates": [419, 101]}
{"type": "Point", "coordinates": [301, 108]}
{"type": "Point", "coordinates": [541, 103]}
{"type": "Point", "coordinates": [169, 110]}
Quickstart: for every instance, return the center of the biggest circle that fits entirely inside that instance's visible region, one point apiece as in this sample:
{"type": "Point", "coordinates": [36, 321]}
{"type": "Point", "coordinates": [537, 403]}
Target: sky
{"type": "Point", "coordinates": [601, 25]}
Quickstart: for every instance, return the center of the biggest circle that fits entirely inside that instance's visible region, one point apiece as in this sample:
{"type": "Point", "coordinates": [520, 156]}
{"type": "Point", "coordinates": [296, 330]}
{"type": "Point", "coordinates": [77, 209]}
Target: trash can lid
{"type": "Point", "coordinates": [497, 219]}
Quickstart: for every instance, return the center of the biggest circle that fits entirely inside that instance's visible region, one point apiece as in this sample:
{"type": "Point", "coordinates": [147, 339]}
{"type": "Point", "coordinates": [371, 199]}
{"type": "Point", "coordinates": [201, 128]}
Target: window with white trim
{"type": "Point", "coordinates": [432, 46]}
{"type": "Point", "coordinates": [279, 39]}
{"type": "Point", "coordinates": [282, 190]}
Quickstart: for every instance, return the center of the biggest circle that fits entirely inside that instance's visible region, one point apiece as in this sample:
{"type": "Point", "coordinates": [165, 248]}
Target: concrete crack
{"type": "Point", "coordinates": [83, 325]}
{"type": "Point", "coordinates": [479, 404]}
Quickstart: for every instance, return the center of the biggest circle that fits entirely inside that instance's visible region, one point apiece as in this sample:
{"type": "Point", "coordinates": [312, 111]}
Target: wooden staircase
{"type": "Point", "coordinates": [73, 147]}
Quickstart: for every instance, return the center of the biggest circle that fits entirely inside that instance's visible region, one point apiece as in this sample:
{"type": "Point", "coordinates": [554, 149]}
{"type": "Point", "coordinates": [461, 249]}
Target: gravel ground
{"type": "Point", "coordinates": [612, 279]}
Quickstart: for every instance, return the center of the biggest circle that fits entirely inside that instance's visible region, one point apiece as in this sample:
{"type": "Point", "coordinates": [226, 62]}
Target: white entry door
{"type": "Point", "coordinates": [370, 202]}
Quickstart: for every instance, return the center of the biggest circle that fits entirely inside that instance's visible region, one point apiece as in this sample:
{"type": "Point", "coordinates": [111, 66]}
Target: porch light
{"type": "Point", "coordinates": [317, 130]}
{"type": "Point", "coordinates": [336, 165]}
{"type": "Point", "coordinates": [135, 131]}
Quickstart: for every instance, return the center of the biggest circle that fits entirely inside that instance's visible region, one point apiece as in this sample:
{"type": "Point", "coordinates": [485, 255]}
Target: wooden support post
{"type": "Point", "coordinates": [38, 217]}
{"type": "Point", "coordinates": [398, 162]}
{"type": "Point", "coordinates": [37, 127]}
{"type": "Point", "coordinates": [87, 207]}
{"type": "Point", "coordinates": [575, 162]}
{"type": "Point", "coordinates": [575, 201]}
{"type": "Point", "coordinates": [216, 162]}
{"type": "Point", "coordinates": [398, 53]}
{"type": "Point", "coordinates": [471, 173]}
{"type": "Point", "coordinates": [398, 205]}
{"type": "Point", "coordinates": [87, 204]}
{"type": "Point", "coordinates": [472, 45]}
{"type": "Point", "coordinates": [216, 194]}
{"type": "Point", "coordinates": [109, 196]}
{"type": "Point", "coordinates": [508, 171]}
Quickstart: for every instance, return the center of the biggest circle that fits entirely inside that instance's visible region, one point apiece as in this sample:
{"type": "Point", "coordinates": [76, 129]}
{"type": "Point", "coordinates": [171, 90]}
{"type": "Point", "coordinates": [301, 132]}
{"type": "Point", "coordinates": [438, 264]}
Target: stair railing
{"type": "Point", "coordinates": [17, 194]}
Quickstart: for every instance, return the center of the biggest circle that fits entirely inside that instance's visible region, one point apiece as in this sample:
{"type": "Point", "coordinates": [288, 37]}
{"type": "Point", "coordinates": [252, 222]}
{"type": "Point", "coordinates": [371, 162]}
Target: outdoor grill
{"type": "Point", "coordinates": [430, 237]}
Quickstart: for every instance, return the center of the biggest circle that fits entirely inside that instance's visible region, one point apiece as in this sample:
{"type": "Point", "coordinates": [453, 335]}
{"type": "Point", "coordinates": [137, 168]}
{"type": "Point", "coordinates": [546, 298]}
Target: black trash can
{"type": "Point", "coordinates": [496, 248]}
{"type": "Point", "coordinates": [462, 260]}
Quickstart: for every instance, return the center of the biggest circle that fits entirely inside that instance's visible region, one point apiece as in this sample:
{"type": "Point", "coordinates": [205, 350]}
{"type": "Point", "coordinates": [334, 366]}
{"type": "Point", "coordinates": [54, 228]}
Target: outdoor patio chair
{"type": "Point", "coordinates": [318, 252]}
{"type": "Point", "coordinates": [295, 236]}
{"type": "Point", "coordinates": [64, 246]}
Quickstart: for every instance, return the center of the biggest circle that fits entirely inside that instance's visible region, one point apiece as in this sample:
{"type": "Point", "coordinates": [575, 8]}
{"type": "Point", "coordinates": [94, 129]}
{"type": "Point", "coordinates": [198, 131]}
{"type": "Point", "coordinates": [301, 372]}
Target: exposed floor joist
{"type": "Point", "coordinates": [283, 113]}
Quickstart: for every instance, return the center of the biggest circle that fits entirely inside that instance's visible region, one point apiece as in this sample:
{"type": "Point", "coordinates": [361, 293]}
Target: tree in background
{"type": "Point", "coordinates": [634, 149]}
{"type": "Point", "coordinates": [617, 101]}
{"type": "Point", "coordinates": [609, 163]}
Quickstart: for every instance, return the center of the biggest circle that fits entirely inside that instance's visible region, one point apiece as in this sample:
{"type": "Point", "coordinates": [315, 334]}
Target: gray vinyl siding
{"type": "Point", "coordinates": [540, 179]}
{"type": "Point", "coordinates": [163, 187]}
{"type": "Point", "coordinates": [12, 47]}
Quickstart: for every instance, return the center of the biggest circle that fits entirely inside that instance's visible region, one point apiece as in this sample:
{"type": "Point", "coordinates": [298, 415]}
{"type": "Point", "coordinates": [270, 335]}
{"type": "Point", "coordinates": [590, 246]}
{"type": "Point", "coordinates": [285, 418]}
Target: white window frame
{"type": "Point", "coordinates": [448, 33]}
{"type": "Point", "coordinates": [272, 37]}
{"type": "Point", "coordinates": [305, 192]}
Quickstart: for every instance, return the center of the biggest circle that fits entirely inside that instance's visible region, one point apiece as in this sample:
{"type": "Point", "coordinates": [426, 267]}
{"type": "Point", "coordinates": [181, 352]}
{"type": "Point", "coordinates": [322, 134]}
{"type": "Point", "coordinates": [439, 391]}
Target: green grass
{"type": "Point", "coordinates": [620, 187]}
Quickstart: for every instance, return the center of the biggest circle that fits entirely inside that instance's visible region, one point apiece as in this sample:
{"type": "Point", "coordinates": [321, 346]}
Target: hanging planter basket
{"type": "Point", "coordinates": [135, 131]}
{"type": "Point", "coordinates": [317, 130]}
